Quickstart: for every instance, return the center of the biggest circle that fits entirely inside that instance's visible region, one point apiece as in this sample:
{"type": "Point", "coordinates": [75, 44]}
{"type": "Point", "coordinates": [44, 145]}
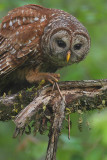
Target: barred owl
{"type": "Point", "coordinates": [36, 41]}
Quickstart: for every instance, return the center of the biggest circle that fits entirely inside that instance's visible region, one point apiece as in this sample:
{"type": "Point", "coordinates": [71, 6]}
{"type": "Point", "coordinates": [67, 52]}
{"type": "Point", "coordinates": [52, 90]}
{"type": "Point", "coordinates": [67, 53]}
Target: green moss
{"type": "Point", "coordinates": [4, 95]}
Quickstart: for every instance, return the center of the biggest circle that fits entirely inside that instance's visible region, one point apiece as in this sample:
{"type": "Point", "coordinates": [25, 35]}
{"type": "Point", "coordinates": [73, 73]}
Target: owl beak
{"type": "Point", "coordinates": [68, 56]}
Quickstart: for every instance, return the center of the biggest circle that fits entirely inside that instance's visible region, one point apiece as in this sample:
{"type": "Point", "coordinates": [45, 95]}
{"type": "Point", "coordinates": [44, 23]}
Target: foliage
{"type": "Point", "coordinates": [83, 145]}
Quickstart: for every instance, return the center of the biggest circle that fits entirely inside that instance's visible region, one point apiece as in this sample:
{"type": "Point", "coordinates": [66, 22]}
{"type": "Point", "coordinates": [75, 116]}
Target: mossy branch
{"type": "Point", "coordinates": [84, 95]}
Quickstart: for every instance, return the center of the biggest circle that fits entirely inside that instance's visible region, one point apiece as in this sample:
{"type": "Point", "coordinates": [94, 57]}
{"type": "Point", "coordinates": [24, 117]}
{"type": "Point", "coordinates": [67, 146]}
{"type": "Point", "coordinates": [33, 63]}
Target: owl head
{"type": "Point", "coordinates": [65, 40]}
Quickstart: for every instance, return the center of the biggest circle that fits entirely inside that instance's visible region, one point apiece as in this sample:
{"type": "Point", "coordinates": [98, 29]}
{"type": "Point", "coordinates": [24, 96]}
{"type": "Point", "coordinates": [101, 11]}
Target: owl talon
{"type": "Point", "coordinates": [50, 81]}
{"type": "Point", "coordinates": [52, 78]}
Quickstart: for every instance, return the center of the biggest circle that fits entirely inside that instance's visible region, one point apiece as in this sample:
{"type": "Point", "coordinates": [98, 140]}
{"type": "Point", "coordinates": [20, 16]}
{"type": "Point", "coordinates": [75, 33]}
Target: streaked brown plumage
{"type": "Point", "coordinates": [34, 43]}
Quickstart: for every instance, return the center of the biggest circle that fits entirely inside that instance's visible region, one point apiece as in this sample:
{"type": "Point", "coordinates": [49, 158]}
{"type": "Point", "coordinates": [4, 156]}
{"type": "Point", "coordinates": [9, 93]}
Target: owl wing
{"type": "Point", "coordinates": [20, 33]}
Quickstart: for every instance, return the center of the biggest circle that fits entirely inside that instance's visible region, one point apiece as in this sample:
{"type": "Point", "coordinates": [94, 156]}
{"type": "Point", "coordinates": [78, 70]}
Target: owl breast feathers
{"type": "Point", "coordinates": [36, 41]}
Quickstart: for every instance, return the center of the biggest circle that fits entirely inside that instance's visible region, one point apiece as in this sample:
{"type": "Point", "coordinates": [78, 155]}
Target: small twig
{"type": "Point", "coordinates": [59, 90]}
{"type": "Point", "coordinates": [53, 87]}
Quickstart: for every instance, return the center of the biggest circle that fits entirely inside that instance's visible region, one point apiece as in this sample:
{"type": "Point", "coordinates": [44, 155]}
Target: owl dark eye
{"type": "Point", "coordinates": [61, 43]}
{"type": "Point", "coordinates": [77, 46]}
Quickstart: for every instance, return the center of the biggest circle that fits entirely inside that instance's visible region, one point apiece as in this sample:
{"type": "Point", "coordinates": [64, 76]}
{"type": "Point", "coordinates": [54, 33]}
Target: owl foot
{"type": "Point", "coordinates": [52, 77]}
{"type": "Point", "coordinates": [33, 77]}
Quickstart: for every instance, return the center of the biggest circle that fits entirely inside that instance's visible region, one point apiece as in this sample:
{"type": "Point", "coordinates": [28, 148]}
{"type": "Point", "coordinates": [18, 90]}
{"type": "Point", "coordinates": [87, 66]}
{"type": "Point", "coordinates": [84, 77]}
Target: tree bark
{"type": "Point", "coordinates": [83, 95]}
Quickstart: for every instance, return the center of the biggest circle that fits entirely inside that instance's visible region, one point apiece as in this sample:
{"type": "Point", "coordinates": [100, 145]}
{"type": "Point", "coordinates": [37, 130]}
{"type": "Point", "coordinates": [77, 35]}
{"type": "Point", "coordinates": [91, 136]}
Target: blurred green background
{"type": "Point", "coordinates": [85, 145]}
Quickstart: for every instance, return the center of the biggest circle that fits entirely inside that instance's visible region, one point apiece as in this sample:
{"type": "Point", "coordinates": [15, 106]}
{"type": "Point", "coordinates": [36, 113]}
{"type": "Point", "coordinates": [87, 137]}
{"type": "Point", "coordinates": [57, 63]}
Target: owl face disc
{"type": "Point", "coordinates": [67, 48]}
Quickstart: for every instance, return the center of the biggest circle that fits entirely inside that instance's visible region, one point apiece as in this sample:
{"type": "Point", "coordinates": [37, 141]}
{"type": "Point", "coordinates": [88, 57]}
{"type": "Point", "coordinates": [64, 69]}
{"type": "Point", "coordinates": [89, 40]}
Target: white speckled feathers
{"type": "Point", "coordinates": [20, 35]}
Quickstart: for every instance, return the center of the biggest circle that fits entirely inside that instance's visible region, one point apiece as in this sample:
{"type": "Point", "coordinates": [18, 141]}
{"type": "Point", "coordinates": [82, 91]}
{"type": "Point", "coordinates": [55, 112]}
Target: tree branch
{"type": "Point", "coordinates": [88, 95]}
